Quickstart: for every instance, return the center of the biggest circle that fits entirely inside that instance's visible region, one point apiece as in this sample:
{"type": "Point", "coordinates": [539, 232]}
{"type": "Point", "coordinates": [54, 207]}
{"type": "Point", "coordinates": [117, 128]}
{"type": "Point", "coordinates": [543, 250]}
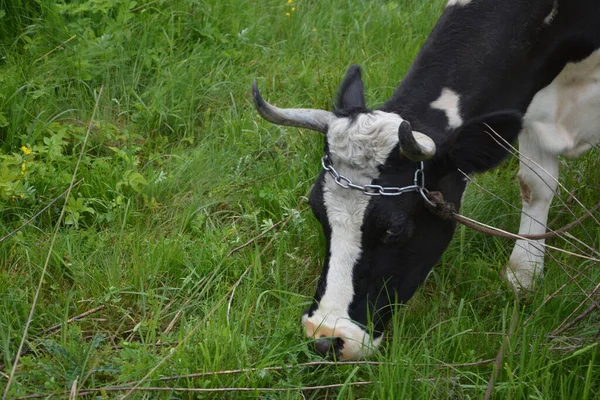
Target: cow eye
{"type": "Point", "coordinates": [393, 235]}
{"type": "Point", "coordinates": [399, 232]}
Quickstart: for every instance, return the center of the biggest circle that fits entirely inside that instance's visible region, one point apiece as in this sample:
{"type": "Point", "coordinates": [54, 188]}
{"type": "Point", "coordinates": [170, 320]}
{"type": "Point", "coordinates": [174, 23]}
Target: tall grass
{"type": "Point", "coordinates": [180, 171]}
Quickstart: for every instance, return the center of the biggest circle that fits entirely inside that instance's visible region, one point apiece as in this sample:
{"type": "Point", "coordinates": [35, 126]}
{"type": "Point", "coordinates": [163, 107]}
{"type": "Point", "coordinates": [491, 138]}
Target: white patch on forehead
{"type": "Point", "coordinates": [345, 211]}
{"type": "Point", "coordinates": [458, 2]}
{"type": "Point", "coordinates": [365, 142]}
{"type": "Point", "coordinates": [552, 14]}
{"type": "Point", "coordinates": [448, 102]}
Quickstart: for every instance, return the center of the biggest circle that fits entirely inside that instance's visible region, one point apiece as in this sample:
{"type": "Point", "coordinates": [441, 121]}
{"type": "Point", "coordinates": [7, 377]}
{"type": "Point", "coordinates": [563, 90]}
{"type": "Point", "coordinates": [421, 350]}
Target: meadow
{"type": "Point", "coordinates": [179, 264]}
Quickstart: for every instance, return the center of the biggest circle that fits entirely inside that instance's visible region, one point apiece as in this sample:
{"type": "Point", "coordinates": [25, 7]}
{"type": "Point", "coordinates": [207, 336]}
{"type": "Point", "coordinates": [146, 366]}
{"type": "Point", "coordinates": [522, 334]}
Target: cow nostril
{"type": "Point", "coordinates": [322, 346]}
{"type": "Point", "coordinates": [329, 346]}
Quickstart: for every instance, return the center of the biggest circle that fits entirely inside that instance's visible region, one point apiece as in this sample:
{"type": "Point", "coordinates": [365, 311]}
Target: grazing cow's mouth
{"type": "Point", "coordinates": [339, 338]}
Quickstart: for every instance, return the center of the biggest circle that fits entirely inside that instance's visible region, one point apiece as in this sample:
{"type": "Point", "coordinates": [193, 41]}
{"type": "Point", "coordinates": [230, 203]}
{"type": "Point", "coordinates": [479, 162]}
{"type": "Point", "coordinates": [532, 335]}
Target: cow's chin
{"type": "Point", "coordinates": [357, 342]}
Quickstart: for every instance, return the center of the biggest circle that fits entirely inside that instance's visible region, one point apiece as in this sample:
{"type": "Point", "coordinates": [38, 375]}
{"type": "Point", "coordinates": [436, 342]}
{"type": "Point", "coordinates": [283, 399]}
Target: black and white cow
{"type": "Point", "coordinates": [485, 64]}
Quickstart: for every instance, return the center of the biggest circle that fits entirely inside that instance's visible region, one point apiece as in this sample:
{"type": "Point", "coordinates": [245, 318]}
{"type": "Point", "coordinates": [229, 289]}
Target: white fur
{"type": "Point", "coordinates": [550, 17]}
{"type": "Point", "coordinates": [357, 148]}
{"type": "Point", "coordinates": [458, 2]}
{"type": "Point", "coordinates": [562, 119]}
{"type": "Point", "coordinates": [366, 142]}
{"type": "Point", "coordinates": [448, 102]}
{"type": "Point", "coordinates": [357, 342]}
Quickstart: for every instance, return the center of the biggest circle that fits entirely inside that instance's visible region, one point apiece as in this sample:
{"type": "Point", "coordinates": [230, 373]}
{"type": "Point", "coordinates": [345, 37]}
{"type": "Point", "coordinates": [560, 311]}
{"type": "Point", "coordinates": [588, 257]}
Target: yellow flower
{"type": "Point", "coordinates": [21, 195]}
{"type": "Point", "coordinates": [23, 167]}
{"type": "Point", "coordinates": [293, 8]}
{"type": "Point", "coordinates": [289, 1]}
{"type": "Point", "coordinates": [26, 150]}
{"type": "Point", "coordinates": [288, 14]}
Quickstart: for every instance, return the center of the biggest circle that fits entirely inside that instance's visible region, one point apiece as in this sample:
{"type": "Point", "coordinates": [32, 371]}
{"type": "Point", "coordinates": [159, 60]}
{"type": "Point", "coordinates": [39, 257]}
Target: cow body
{"type": "Point", "coordinates": [457, 109]}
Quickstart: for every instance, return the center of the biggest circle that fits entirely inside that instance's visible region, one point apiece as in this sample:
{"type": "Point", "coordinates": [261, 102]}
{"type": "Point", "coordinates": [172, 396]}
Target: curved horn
{"type": "Point", "coordinates": [414, 145]}
{"type": "Point", "coordinates": [317, 120]}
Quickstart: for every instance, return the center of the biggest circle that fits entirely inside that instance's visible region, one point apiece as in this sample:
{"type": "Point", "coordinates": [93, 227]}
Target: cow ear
{"type": "Point", "coordinates": [482, 143]}
{"type": "Point", "coordinates": [351, 95]}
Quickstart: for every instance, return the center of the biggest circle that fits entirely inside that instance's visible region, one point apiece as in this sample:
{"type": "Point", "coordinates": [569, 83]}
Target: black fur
{"type": "Point", "coordinates": [482, 143]}
{"type": "Point", "coordinates": [351, 95]}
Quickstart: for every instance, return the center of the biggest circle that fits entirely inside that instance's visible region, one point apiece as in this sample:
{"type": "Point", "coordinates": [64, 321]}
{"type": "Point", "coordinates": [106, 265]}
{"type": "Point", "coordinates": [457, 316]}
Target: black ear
{"type": "Point", "coordinates": [482, 143]}
{"type": "Point", "coordinates": [351, 95]}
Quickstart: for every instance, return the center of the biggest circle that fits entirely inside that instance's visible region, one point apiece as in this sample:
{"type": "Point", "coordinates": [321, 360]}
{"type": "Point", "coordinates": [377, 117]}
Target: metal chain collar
{"type": "Point", "coordinates": [377, 190]}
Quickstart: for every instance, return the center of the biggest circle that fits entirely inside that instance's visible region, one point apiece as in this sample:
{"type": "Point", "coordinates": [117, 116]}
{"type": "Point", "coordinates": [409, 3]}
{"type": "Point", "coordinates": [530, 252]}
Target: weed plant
{"type": "Point", "coordinates": [179, 171]}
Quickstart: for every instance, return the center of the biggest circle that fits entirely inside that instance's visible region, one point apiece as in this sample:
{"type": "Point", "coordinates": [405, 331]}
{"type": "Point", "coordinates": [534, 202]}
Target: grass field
{"type": "Point", "coordinates": [178, 173]}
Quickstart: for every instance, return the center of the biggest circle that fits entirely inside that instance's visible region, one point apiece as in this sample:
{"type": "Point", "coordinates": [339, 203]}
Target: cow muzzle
{"type": "Point", "coordinates": [339, 338]}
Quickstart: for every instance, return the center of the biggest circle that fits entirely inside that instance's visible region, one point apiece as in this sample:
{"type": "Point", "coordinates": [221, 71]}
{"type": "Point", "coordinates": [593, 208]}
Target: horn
{"type": "Point", "coordinates": [414, 145]}
{"type": "Point", "coordinates": [316, 120]}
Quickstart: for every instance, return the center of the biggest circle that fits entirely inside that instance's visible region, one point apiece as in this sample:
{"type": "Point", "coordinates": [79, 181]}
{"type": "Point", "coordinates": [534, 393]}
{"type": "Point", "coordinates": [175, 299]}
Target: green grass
{"type": "Point", "coordinates": [180, 170]}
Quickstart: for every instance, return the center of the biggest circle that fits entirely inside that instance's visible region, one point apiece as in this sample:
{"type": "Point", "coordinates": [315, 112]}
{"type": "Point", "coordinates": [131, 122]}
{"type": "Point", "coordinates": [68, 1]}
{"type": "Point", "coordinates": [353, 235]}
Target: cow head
{"type": "Point", "coordinates": [379, 247]}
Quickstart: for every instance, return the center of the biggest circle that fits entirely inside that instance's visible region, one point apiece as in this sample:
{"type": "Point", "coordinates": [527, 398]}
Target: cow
{"type": "Point", "coordinates": [489, 72]}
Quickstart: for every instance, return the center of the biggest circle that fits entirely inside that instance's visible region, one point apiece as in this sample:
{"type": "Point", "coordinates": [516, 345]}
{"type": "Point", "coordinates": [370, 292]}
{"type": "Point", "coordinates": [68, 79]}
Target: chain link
{"type": "Point", "coordinates": [377, 190]}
